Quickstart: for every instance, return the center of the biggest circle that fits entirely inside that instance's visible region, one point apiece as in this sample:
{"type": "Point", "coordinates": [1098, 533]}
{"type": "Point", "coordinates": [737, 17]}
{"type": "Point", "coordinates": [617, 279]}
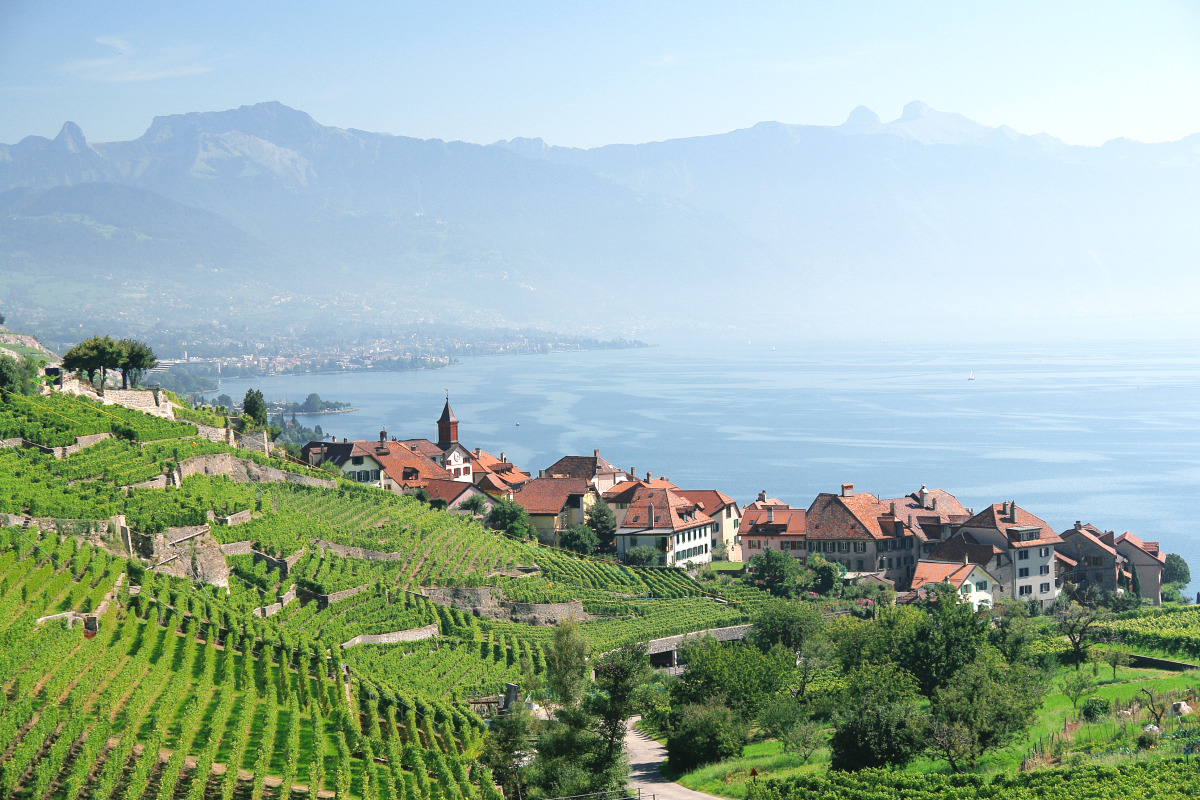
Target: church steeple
{"type": "Point", "coordinates": [447, 426]}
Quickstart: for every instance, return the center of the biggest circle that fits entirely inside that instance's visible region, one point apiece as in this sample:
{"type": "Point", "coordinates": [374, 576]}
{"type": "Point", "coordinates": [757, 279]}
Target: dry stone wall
{"type": "Point", "coordinates": [244, 470]}
{"type": "Point", "coordinates": [410, 635]}
{"type": "Point", "coordinates": [237, 549]}
{"type": "Point", "coordinates": [326, 600]}
{"type": "Point", "coordinates": [357, 552]}
{"type": "Point", "coordinates": [485, 601]}
{"type": "Point", "coordinates": [275, 608]}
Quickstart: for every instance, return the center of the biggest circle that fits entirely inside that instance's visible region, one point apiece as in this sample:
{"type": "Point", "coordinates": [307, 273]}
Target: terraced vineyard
{"type": "Point", "coordinates": [168, 703]}
{"type": "Point", "coordinates": [56, 420]}
{"type": "Point", "coordinates": [1169, 630]}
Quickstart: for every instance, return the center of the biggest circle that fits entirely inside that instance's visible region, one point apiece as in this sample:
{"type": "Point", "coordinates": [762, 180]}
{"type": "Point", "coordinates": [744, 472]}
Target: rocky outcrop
{"type": "Point", "coordinates": [184, 552]}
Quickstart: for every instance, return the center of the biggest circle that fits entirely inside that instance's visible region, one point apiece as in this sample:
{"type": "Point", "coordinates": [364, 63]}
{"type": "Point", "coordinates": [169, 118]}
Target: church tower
{"type": "Point", "coordinates": [447, 427]}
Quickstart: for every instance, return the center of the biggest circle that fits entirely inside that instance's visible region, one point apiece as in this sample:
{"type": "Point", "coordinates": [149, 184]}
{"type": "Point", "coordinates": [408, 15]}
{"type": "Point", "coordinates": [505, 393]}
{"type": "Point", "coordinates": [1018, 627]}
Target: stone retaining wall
{"type": "Point", "coordinates": [358, 552]}
{"type": "Point", "coordinates": [240, 518]}
{"type": "Point", "coordinates": [485, 601]}
{"type": "Point", "coordinates": [411, 635]}
{"type": "Point", "coordinates": [244, 470]}
{"type": "Point", "coordinates": [275, 608]}
{"type": "Point", "coordinates": [284, 565]}
{"type": "Point", "coordinates": [237, 549]}
{"type": "Point", "coordinates": [326, 600]}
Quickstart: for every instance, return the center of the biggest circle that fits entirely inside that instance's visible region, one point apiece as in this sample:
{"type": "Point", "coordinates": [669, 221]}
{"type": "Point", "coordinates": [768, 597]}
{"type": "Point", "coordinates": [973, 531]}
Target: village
{"type": "Point", "coordinates": [908, 543]}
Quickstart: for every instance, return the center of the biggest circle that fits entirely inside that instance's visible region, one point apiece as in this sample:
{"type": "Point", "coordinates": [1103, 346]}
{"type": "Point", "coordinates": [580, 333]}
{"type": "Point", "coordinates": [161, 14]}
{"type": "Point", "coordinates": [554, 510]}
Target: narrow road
{"type": "Point", "coordinates": [645, 754]}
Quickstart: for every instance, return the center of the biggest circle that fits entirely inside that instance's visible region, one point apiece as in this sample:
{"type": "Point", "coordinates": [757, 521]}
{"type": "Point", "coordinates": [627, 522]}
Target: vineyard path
{"type": "Point", "coordinates": [645, 755]}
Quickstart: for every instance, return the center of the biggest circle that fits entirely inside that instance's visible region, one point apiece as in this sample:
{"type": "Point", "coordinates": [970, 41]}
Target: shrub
{"type": "Point", "coordinates": [704, 735]}
{"type": "Point", "coordinates": [1096, 707]}
{"type": "Point", "coordinates": [1147, 740]}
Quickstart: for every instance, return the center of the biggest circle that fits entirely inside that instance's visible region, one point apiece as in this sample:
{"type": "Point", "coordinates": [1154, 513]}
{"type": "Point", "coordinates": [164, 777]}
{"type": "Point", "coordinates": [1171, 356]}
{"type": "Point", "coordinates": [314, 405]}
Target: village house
{"type": "Point", "coordinates": [1027, 541]}
{"type": "Point", "coordinates": [973, 583]}
{"type": "Point", "coordinates": [1148, 560]}
{"type": "Point", "coordinates": [769, 524]}
{"type": "Point", "coordinates": [726, 518]}
{"type": "Point", "coordinates": [864, 534]}
{"type": "Point", "coordinates": [495, 476]}
{"type": "Point", "coordinates": [593, 469]}
{"type": "Point", "coordinates": [621, 495]}
{"type": "Point", "coordinates": [555, 504]}
{"type": "Point", "coordinates": [935, 511]}
{"type": "Point", "coordinates": [667, 521]}
{"type": "Point", "coordinates": [1097, 562]}
{"type": "Point", "coordinates": [451, 494]}
{"type": "Point", "coordinates": [385, 463]}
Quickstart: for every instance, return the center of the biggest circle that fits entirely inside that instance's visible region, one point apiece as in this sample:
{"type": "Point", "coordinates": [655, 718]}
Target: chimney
{"type": "Point", "coordinates": [382, 437]}
{"type": "Point", "coordinates": [412, 447]}
{"type": "Point", "coordinates": [478, 451]}
{"type": "Point", "coordinates": [651, 524]}
{"type": "Point", "coordinates": [893, 511]}
{"type": "Point", "coordinates": [762, 496]}
{"type": "Point", "coordinates": [770, 514]}
{"type": "Point", "coordinates": [503, 460]}
{"type": "Point", "coordinates": [922, 494]}
{"type": "Point", "coordinates": [966, 559]}
{"type": "Point", "coordinates": [1078, 525]}
{"type": "Point", "coordinates": [633, 473]}
{"type": "Point", "coordinates": [933, 504]}
{"type": "Point", "coordinates": [648, 476]}
{"type": "Point", "coordinates": [541, 473]}
{"type": "Point", "coordinates": [1012, 509]}
{"type": "Point", "coordinates": [596, 453]}
{"type": "Point", "coordinates": [847, 490]}
{"type": "Point", "coordinates": [343, 440]}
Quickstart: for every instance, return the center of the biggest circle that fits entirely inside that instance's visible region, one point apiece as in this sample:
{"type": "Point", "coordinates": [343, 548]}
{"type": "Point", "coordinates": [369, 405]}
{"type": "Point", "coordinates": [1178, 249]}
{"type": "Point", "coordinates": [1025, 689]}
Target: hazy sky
{"type": "Point", "coordinates": [593, 73]}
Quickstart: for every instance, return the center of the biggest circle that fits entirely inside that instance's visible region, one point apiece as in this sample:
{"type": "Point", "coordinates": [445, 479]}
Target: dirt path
{"type": "Point", "coordinates": [645, 755]}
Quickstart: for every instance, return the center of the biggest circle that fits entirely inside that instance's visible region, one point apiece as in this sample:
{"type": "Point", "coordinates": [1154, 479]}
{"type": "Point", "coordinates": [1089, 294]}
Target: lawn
{"type": "Point", "coordinates": [1100, 741]}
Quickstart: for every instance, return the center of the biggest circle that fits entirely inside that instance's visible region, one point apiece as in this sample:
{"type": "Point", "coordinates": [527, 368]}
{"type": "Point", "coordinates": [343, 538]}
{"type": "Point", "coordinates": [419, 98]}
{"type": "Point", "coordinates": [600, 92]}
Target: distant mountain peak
{"type": "Point", "coordinates": [71, 136]}
{"type": "Point", "coordinates": [914, 111]}
{"type": "Point", "coordinates": [266, 120]}
{"type": "Point", "coordinates": [861, 120]}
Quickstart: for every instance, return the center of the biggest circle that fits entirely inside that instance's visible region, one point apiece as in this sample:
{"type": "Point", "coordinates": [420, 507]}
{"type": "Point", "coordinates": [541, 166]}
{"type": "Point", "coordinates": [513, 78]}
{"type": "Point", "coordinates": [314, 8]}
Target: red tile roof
{"type": "Point", "coordinates": [965, 545]}
{"type": "Point", "coordinates": [446, 490]}
{"type": "Point", "coordinates": [1091, 535]}
{"type": "Point", "coordinates": [860, 516]}
{"type": "Point", "coordinates": [504, 473]}
{"type": "Point", "coordinates": [785, 520]}
{"type": "Point", "coordinates": [394, 458]}
{"type": "Point", "coordinates": [424, 447]}
{"type": "Point", "coordinates": [955, 574]}
{"type": "Point", "coordinates": [710, 500]}
{"type": "Point", "coordinates": [658, 508]}
{"type": "Point", "coordinates": [994, 517]}
{"type": "Point", "coordinates": [1149, 548]}
{"type": "Point", "coordinates": [585, 467]}
{"type": "Point", "coordinates": [940, 507]}
{"type": "Point", "coordinates": [623, 492]}
{"type": "Point", "coordinates": [548, 495]}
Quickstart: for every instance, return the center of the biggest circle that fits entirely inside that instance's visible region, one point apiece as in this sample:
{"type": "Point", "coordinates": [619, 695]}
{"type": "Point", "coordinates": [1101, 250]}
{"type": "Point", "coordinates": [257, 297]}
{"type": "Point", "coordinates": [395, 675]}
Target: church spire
{"type": "Point", "coordinates": [447, 426]}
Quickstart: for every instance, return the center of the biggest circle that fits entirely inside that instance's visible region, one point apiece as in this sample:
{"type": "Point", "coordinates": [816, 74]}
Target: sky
{"type": "Point", "coordinates": [587, 74]}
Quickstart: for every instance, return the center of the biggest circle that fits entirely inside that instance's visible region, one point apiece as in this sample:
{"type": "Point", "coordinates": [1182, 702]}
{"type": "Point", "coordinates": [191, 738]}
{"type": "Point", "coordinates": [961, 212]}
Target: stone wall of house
{"type": "Point", "coordinates": [395, 637]}
{"type": "Point", "coordinates": [257, 442]}
{"type": "Point", "coordinates": [213, 434]}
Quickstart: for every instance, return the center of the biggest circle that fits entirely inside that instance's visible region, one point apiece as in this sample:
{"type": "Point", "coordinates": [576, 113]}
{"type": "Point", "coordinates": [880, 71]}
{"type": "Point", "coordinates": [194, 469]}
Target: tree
{"type": "Point", "coordinates": [511, 517]}
{"type": "Point", "coordinates": [948, 639]}
{"type": "Point", "coordinates": [476, 503]}
{"type": "Point", "coordinates": [803, 739]}
{"type": "Point", "coordinates": [254, 407]}
{"type": "Point", "coordinates": [640, 556]}
{"type": "Point", "coordinates": [311, 404]}
{"type": "Point", "coordinates": [826, 575]}
{"type": "Point", "coordinates": [704, 734]}
{"type": "Point", "coordinates": [1176, 570]}
{"type": "Point", "coordinates": [580, 539]}
{"type": "Point", "coordinates": [566, 663]}
{"type": "Point", "coordinates": [507, 747]}
{"type": "Point", "coordinates": [1117, 657]}
{"type": "Point", "coordinates": [776, 572]}
{"type": "Point", "coordinates": [92, 355]}
{"type": "Point", "coordinates": [1135, 583]}
{"type": "Point", "coordinates": [989, 703]}
{"type": "Point", "coordinates": [10, 375]}
{"type": "Point", "coordinates": [1010, 631]}
{"type": "Point", "coordinates": [134, 358]}
{"type": "Point", "coordinates": [1077, 623]}
{"type": "Point", "coordinates": [787, 624]}
{"type": "Point", "coordinates": [619, 674]}
{"type": "Point", "coordinates": [745, 676]}
{"type": "Point", "coordinates": [1074, 687]}
{"type": "Point", "coordinates": [880, 723]}
{"type": "Point", "coordinates": [602, 522]}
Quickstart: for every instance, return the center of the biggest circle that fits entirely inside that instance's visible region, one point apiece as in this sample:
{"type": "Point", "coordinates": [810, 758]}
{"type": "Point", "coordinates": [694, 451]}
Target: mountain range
{"type": "Point", "coordinates": [929, 225]}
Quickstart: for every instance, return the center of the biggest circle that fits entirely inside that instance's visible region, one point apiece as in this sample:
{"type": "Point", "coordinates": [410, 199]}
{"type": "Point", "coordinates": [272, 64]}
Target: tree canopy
{"type": "Point", "coordinates": [254, 407]}
{"type": "Point", "coordinates": [1176, 570]}
{"type": "Point", "coordinates": [134, 359]}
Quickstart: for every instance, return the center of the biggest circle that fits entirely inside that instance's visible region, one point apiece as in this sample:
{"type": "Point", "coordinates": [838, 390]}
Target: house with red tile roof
{"type": "Point", "coordinates": [1148, 560]}
{"type": "Point", "coordinates": [1097, 562]}
{"type": "Point", "coordinates": [385, 463]}
{"type": "Point", "coordinates": [865, 534]}
{"type": "Point", "coordinates": [1029, 542]}
{"type": "Point", "coordinates": [935, 511]}
{"type": "Point", "coordinates": [974, 584]}
{"type": "Point", "coordinates": [666, 520]}
{"type": "Point", "coordinates": [726, 517]}
{"type": "Point", "coordinates": [770, 524]}
{"type": "Point", "coordinates": [593, 469]}
{"type": "Point", "coordinates": [555, 504]}
{"type": "Point", "coordinates": [495, 476]}
{"type": "Point", "coordinates": [451, 494]}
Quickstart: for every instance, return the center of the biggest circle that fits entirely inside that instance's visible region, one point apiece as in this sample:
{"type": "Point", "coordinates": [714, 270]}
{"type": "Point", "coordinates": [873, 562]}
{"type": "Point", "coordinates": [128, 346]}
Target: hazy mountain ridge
{"type": "Point", "coordinates": [861, 228]}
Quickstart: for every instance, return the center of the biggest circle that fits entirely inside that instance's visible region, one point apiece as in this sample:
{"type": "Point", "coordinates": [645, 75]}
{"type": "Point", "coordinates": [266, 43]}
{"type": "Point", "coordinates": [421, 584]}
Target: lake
{"type": "Point", "coordinates": [1108, 435]}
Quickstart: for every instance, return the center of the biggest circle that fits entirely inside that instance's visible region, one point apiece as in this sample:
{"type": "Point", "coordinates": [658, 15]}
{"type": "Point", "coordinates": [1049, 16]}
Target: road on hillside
{"type": "Point", "coordinates": [645, 755]}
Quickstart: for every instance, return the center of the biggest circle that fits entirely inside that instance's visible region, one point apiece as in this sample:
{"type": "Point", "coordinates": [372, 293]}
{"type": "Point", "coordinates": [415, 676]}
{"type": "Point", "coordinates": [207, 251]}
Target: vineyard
{"type": "Point", "coordinates": [55, 420]}
{"type": "Point", "coordinates": [166, 702]}
{"type": "Point", "coordinates": [1175, 631]}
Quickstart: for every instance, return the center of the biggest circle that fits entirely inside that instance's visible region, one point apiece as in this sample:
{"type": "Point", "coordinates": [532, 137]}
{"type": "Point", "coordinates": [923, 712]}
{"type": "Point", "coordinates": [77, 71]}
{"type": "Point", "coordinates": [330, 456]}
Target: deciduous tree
{"type": "Point", "coordinates": [880, 723]}
{"type": "Point", "coordinates": [134, 358]}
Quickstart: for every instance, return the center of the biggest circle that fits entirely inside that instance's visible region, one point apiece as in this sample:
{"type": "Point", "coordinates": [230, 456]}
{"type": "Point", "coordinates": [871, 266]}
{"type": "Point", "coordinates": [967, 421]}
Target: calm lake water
{"type": "Point", "coordinates": [1105, 435]}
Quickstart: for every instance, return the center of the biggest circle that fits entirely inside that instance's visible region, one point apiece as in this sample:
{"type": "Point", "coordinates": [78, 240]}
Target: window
{"type": "Point", "coordinates": [829, 547]}
{"type": "Point", "coordinates": [1097, 561]}
{"type": "Point", "coordinates": [728, 512]}
{"type": "Point", "coordinates": [860, 547]}
{"type": "Point", "coordinates": [1023, 572]}
{"type": "Point", "coordinates": [633, 541]}
{"type": "Point", "coordinates": [374, 474]}
{"type": "Point", "coordinates": [1044, 552]}
{"type": "Point", "coordinates": [1023, 555]}
{"type": "Point", "coordinates": [1044, 569]}
{"type": "Point", "coordinates": [860, 565]}
{"type": "Point", "coordinates": [981, 586]}
{"type": "Point", "coordinates": [356, 460]}
{"type": "Point", "coordinates": [966, 589]}
{"type": "Point", "coordinates": [843, 547]}
{"type": "Point", "coordinates": [1099, 577]}
{"type": "Point", "coordinates": [1024, 590]}
{"type": "Point", "coordinates": [1045, 587]}
{"type": "Point", "coordinates": [882, 563]}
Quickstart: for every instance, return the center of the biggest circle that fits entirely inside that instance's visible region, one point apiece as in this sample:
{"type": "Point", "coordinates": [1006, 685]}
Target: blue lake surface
{"type": "Point", "coordinates": [1108, 435]}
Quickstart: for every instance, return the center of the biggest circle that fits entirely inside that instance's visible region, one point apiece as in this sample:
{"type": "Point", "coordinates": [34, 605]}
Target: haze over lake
{"type": "Point", "coordinates": [1105, 435]}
